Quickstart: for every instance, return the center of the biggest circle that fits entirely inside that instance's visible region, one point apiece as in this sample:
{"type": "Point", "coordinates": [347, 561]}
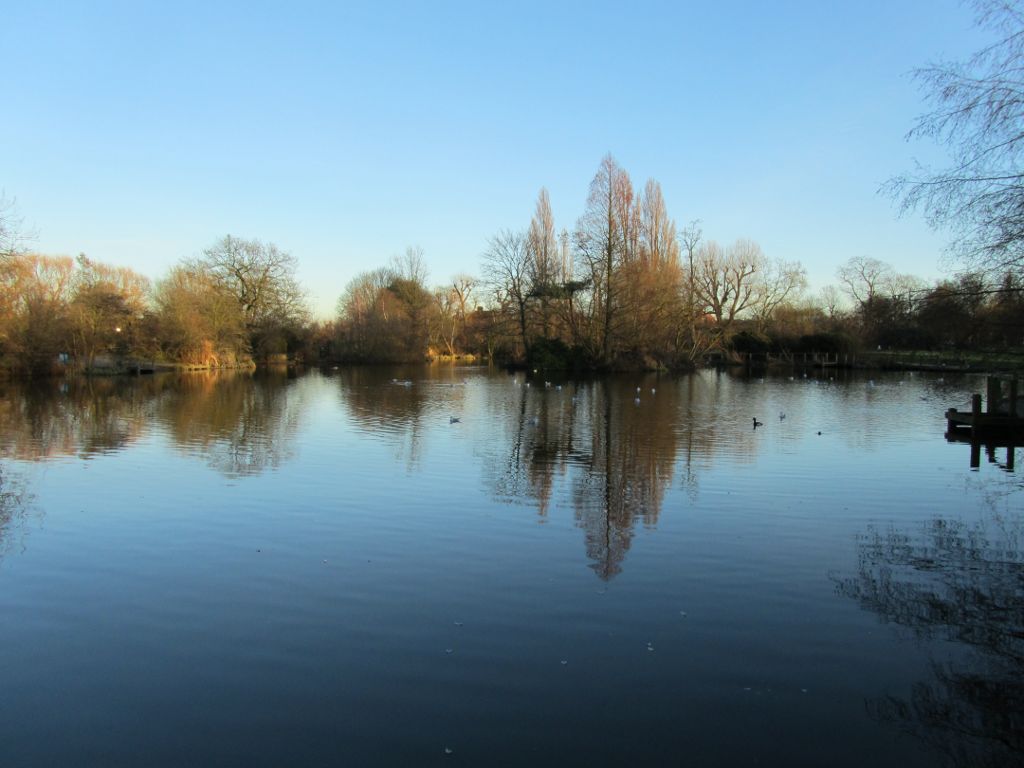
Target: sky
{"type": "Point", "coordinates": [343, 132]}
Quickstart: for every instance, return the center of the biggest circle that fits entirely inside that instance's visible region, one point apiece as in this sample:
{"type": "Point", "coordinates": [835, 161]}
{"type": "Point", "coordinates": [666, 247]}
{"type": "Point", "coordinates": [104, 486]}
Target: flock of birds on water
{"type": "Point", "coordinates": [639, 390]}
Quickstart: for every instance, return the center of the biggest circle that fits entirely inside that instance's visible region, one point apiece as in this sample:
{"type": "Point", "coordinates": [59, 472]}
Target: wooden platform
{"type": "Point", "coordinates": [1002, 414]}
{"type": "Point", "coordinates": [958, 420]}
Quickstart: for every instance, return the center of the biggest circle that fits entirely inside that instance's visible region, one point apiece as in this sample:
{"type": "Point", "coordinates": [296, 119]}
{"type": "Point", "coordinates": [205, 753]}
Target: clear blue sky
{"type": "Point", "coordinates": [343, 132]}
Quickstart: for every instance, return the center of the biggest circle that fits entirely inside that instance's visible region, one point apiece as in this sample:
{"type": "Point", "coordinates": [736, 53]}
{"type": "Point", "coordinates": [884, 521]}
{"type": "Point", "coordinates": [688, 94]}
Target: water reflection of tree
{"type": "Point", "coordinates": [631, 461]}
{"type": "Point", "coordinates": [961, 584]}
{"type": "Point", "coordinates": [383, 401]}
{"type": "Point", "coordinates": [13, 500]}
{"type": "Point", "coordinates": [242, 423]}
{"type": "Point", "coordinates": [61, 417]}
{"type": "Point", "coordinates": [618, 455]}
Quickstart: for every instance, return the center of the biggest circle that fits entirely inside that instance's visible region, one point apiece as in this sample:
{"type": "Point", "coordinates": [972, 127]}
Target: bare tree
{"type": "Point", "coordinates": [863, 278]}
{"type": "Point", "coordinates": [544, 262]}
{"type": "Point", "coordinates": [106, 309]}
{"type": "Point", "coordinates": [831, 300]}
{"type": "Point", "coordinates": [13, 237]}
{"type": "Point", "coordinates": [448, 320]}
{"type": "Point", "coordinates": [11, 246]}
{"type": "Point", "coordinates": [780, 282]}
{"type": "Point", "coordinates": [978, 112]}
{"type": "Point", "coordinates": [34, 296]}
{"type": "Point", "coordinates": [365, 311]}
{"type": "Point", "coordinates": [463, 286]}
{"type": "Point", "coordinates": [445, 319]}
{"type": "Point", "coordinates": [689, 239]}
{"type": "Point", "coordinates": [657, 228]}
{"type": "Point", "coordinates": [690, 344]}
{"type": "Point", "coordinates": [725, 280]}
{"type": "Point", "coordinates": [409, 287]}
{"type": "Point", "coordinates": [262, 279]}
{"type": "Point", "coordinates": [883, 296]}
{"type": "Point", "coordinates": [650, 275]}
{"type": "Point", "coordinates": [198, 318]}
{"type": "Point", "coordinates": [411, 265]}
{"type": "Point", "coordinates": [506, 268]}
{"type": "Point", "coordinates": [462, 289]}
{"type": "Point", "coordinates": [602, 236]}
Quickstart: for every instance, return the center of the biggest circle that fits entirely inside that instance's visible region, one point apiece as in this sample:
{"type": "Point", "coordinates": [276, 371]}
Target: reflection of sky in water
{"type": "Point", "coordinates": [302, 548]}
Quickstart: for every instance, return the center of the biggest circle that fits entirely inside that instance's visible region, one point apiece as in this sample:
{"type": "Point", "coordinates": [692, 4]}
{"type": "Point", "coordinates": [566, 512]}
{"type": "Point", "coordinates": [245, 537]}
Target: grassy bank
{"type": "Point", "coordinates": [977, 361]}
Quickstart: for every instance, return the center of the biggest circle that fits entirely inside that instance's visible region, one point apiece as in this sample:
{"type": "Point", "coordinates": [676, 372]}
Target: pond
{"type": "Point", "coordinates": [460, 566]}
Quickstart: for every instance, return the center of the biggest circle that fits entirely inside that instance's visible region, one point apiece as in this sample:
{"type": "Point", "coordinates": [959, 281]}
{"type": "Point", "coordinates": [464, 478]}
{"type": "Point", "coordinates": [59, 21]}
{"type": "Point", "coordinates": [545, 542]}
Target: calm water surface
{"type": "Point", "coordinates": [328, 570]}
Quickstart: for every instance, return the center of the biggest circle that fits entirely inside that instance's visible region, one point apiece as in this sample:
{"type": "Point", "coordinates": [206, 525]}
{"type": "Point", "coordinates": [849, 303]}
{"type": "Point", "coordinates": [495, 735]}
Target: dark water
{"type": "Point", "coordinates": [327, 570]}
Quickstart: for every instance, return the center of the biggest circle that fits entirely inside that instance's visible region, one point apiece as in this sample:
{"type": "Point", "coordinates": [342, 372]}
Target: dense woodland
{"type": "Point", "coordinates": [625, 288]}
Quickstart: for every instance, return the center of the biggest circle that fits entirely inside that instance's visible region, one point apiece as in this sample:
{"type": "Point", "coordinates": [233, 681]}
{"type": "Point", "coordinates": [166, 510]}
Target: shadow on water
{"type": "Point", "coordinates": [957, 586]}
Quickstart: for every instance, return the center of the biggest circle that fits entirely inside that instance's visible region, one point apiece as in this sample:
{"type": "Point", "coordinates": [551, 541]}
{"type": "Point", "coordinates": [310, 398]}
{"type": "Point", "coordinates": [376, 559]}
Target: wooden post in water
{"type": "Point", "coordinates": [1012, 410]}
{"type": "Point", "coordinates": [975, 454]}
{"type": "Point", "coordinates": [993, 394]}
{"type": "Point", "coordinates": [975, 416]}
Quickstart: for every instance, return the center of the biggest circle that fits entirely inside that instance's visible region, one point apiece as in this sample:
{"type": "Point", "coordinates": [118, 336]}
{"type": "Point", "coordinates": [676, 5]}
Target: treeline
{"type": "Point", "coordinates": [626, 288]}
{"type": "Point", "coordinates": [623, 288]}
{"type": "Point", "coordinates": [974, 310]}
{"type": "Point", "coordinates": [237, 301]}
